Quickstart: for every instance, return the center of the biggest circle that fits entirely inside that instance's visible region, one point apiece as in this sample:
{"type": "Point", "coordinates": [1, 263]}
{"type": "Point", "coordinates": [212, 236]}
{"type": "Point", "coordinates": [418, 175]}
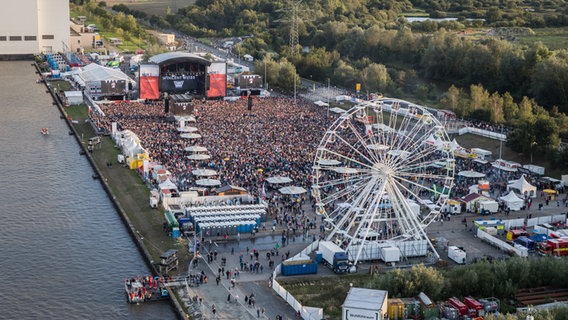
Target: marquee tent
{"type": "Point", "coordinates": [522, 186]}
{"type": "Point", "coordinates": [95, 72]}
{"type": "Point", "coordinates": [512, 201]}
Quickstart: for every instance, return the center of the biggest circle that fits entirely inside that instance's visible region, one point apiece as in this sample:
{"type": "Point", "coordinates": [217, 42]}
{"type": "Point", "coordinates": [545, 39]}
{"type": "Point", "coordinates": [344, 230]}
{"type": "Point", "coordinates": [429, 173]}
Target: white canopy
{"type": "Point", "coordinates": [523, 186]}
{"type": "Point", "coordinates": [328, 162]}
{"type": "Point", "coordinates": [278, 180]}
{"type": "Point", "coordinates": [345, 170]}
{"type": "Point", "coordinates": [199, 156]}
{"type": "Point", "coordinates": [190, 135]}
{"type": "Point", "coordinates": [337, 110]}
{"type": "Point", "coordinates": [208, 182]}
{"type": "Point", "coordinates": [204, 172]}
{"type": "Point", "coordinates": [167, 185]}
{"type": "Point", "coordinates": [471, 174]}
{"type": "Point", "coordinates": [195, 149]}
{"type": "Point", "coordinates": [96, 72]}
{"type": "Point", "coordinates": [292, 190]}
{"type": "Point", "coordinates": [321, 103]}
{"type": "Point", "coordinates": [187, 129]}
{"type": "Point", "coordinates": [512, 201]}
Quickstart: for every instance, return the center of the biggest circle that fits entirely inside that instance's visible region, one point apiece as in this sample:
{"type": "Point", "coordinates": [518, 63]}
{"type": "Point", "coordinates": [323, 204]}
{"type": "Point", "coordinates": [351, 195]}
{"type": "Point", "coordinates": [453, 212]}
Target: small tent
{"type": "Point", "coordinates": [523, 186]}
{"type": "Point", "coordinates": [512, 201]}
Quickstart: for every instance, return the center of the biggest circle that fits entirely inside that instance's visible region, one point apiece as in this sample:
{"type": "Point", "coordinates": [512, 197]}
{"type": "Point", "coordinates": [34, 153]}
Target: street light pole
{"type": "Point", "coordinates": [265, 83]}
{"type": "Point", "coordinates": [294, 87]}
{"type": "Point", "coordinates": [328, 93]}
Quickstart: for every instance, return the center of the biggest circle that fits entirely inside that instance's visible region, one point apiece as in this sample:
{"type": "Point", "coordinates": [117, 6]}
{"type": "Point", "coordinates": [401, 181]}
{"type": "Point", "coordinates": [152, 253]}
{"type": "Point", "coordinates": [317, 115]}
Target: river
{"type": "Point", "coordinates": [64, 251]}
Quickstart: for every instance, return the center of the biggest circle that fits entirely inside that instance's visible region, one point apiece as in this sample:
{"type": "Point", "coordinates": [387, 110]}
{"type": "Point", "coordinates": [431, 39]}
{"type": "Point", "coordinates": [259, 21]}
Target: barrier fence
{"type": "Point", "coordinates": [307, 313]}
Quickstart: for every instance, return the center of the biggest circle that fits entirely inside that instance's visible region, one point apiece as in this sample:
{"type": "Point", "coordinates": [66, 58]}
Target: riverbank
{"type": "Point", "coordinates": [127, 192]}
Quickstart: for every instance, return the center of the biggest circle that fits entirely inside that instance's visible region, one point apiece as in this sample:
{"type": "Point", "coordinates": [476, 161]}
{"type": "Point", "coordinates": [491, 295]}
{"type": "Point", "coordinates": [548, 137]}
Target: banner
{"type": "Point", "coordinates": [217, 73]}
{"type": "Point", "coordinates": [149, 81]}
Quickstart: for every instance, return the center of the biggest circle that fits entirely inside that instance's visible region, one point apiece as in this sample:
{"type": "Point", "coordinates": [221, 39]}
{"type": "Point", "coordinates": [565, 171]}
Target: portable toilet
{"type": "Point", "coordinates": [395, 309]}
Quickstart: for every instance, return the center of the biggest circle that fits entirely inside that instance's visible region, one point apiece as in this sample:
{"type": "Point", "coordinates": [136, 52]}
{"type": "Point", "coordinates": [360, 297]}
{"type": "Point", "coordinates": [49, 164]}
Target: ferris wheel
{"type": "Point", "coordinates": [382, 173]}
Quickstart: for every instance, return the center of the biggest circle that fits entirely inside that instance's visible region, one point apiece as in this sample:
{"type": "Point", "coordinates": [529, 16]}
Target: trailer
{"type": "Point", "coordinates": [456, 254]}
{"type": "Point", "coordinates": [500, 244]}
{"type": "Point", "coordinates": [334, 257]}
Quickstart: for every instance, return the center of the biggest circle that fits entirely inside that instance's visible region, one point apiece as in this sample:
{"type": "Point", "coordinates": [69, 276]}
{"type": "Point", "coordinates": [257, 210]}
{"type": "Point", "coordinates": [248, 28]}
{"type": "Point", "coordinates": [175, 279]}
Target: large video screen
{"type": "Point", "coordinates": [113, 87]}
{"type": "Point", "coordinates": [183, 83]}
{"type": "Point", "coordinates": [149, 81]}
{"type": "Point", "coordinates": [250, 81]}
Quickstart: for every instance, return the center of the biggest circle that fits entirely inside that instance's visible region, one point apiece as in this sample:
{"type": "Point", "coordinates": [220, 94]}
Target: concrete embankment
{"type": "Point", "coordinates": [121, 211]}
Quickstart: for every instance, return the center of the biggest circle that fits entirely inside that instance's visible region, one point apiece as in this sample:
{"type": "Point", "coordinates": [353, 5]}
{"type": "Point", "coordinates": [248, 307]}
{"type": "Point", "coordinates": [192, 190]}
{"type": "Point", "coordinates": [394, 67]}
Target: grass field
{"type": "Point", "coordinates": [553, 38]}
{"type": "Point", "coordinates": [328, 293]}
{"type": "Point", "coordinates": [130, 191]}
{"type": "Point", "coordinates": [153, 7]}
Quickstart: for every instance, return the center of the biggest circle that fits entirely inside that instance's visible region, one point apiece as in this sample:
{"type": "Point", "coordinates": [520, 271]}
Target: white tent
{"type": "Point", "coordinates": [523, 187]}
{"type": "Point", "coordinates": [512, 201]}
{"type": "Point", "coordinates": [96, 72]}
{"type": "Point", "coordinates": [168, 185]}
{"type": "Point", "coordinates": [74, 97]}
{"type": "Point", "coordinates": [321, 103]}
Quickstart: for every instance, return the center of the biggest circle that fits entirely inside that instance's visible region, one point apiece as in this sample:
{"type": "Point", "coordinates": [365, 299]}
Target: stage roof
{"type": "Point", "coordinates": [177, 57]}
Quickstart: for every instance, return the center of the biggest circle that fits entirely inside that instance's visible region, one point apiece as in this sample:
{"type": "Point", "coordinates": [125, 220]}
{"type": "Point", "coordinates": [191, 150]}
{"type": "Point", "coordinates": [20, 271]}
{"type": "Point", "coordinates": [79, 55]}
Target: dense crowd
{"type": "Point", "coordinates": [277, 137]}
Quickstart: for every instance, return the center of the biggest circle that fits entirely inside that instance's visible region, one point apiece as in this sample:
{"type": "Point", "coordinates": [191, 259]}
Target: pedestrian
{"type": "Point", "coordinates": [229, 298]}
{"type": "Point", "coordinates": [258, 312]}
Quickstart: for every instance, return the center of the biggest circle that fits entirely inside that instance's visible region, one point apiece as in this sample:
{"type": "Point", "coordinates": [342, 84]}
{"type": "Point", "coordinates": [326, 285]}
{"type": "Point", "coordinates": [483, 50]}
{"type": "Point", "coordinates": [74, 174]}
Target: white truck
{"type": "Point", "coordinates": [334, 257]}
{"type": "Point", "coordinates": [456, 254]}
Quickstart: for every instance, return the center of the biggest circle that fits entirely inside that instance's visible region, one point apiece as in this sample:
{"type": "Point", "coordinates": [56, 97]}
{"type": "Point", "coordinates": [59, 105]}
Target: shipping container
{"type": "Point", "coordinates": [411, 308]}
{"type": "Point", "coordinates": [395, 309]}
{"type": "Point", "coordinates": [299, 269]}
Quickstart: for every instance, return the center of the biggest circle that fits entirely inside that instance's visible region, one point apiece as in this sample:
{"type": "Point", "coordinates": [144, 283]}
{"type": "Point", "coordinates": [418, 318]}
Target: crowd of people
{"type": "Point", "coordinates": [276, 137]}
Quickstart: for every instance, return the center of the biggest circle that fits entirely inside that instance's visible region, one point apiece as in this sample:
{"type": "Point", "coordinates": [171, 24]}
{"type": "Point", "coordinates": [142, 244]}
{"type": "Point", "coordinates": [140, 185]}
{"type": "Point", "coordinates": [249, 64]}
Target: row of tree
{"type": "Point", "coordinates": [501, 279]}
{"type": "Point", "coordinates": [354, 35]}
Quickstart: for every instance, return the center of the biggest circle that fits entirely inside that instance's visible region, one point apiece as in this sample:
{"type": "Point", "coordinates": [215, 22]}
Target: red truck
{"type": "Point", "coordinates": [457, 304]}
{"type": "Point", "coordinates": [475, 308]}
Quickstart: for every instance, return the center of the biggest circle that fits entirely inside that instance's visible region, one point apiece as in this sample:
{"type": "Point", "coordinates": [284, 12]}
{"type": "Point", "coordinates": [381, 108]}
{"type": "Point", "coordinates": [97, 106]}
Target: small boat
{"type": "Point", "coordinates": [44, 131]}
{"type": "Point", "coordinates": [145, 289]}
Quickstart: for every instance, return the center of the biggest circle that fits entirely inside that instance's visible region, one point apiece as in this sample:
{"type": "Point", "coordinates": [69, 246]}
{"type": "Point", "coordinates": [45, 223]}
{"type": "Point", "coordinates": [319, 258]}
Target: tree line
{"type": "Point", "coordinates": [522, 87]}
{"type": "Point", "coordinates": [500, 279]}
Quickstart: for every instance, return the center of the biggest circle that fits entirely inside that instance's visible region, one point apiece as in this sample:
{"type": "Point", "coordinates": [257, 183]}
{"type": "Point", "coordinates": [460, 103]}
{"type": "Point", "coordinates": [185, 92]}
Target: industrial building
{"type": "Point", "coordinates": [29, 27]}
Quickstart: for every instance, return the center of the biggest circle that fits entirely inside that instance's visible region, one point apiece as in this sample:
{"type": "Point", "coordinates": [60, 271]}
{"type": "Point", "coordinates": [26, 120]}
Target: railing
{"type": "Point", "coordinates": [307, 313]}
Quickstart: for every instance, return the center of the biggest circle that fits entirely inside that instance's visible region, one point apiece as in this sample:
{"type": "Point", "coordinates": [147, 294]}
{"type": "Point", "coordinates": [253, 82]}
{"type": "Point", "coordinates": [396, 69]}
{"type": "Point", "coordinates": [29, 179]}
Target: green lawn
{"type": "Point", "coordinates": [553, 38]}
{"type": "Point", "coordinates": [130, 191]}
